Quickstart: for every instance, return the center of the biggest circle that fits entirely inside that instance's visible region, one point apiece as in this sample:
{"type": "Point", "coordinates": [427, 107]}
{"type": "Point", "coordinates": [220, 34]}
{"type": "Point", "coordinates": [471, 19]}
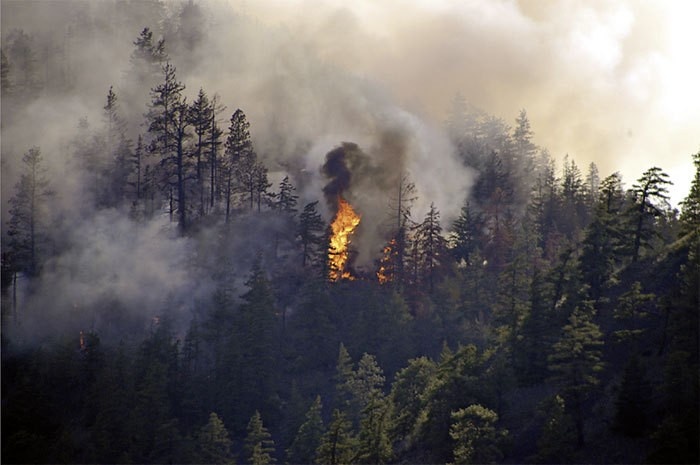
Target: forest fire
{"type": "Point", "coordinates": [384, 274]}
{"type": "Point", "coordinates": [342, 227]}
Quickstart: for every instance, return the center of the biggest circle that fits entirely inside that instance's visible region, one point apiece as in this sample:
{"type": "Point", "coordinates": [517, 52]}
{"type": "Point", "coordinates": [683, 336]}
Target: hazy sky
{"type": "Point", "coordinates": [611, 81]}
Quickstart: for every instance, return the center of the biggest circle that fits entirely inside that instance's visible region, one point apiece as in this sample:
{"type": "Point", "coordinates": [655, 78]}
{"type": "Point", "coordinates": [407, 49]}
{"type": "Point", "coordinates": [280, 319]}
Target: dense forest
{"type": "Point", "coordinates": [182, 286]}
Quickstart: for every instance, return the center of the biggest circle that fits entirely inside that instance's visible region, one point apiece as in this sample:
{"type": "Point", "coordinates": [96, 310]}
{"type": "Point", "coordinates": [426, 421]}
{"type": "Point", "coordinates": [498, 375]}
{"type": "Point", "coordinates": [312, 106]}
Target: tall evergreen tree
{"type": "Point", "coordinates": [213, 442]}
{"type": "Point", "coordinates": [465, 234]}
{"type": "Point", "coordinates": [311, 228]}
{"type": "Point", "coordinates": [148, 57]}
{"type": "Point", "coordinates": [690, 213]}
{"type": "Point", "coordinates": [240, 160]}
{"type": "Point", "coordinates": [255, 337]}
{"type": "Point", "coordinates": [433, 248]}
{"type": "Point", "coordinates": [286, 199]}
{"type": "Point", "coordinates": [200, 116]}
{"type": "Point", "coordinates": [167, 124]}
{"type": "Point", "coordinates": [650, 201]}
{"type": "Point", "coordinates": [407, 398]}
{"type": "Point", "coordinates": [558, 437]}
{"type": "Point", "coordinates": [338, 444]}
{"type": "Point", "coordinates": [576, 361]}
{"type": "Point", "coordinates": [259, 448]}
{"type": "Point", "coordinates": [308, 437]}
{"type": "Point", "coordinates": [214, 160]}
{"type": "Point", "coordinates": [477, 440]}
{"type": "Point", "coordinates": [27, 225]}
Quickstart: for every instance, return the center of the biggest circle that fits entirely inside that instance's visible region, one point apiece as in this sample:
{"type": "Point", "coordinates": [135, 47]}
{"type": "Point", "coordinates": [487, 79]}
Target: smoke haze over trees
{"type": "Point", "coordinates": [520, 285]}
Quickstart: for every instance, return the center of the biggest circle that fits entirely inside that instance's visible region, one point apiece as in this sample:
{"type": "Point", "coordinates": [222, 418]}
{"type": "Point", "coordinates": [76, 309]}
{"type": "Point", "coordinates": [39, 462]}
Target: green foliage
{"type": "Point", "coordinates": [286, 200]}
{"type": "Point", "coordinates": [431, 250]}
{"type": "Point", "coordinates": [477, 439]}
{"type": "Point", "coordinates": [650, 201]}
{"type": "Point", "coordinates": [259, 448]}
{"type": "Point", "coordinates": [558, 438]}
{"type": "Point", "coordinates": [308, 437]}
{"type": "Point", "coordinates": [457, 382]}
{"type": "Point", "coordinates": [374, 445]}
{"type": "Point", "coordinates": [408, 397]}
{"type": "Point", "coordinates": [576, 361]}
{"type": "Point", "coordinates": [213, 442]}
{"type": "Point", "coordinates": [338, 445]}
{"type": "Point", "coordinates": [690, 213]}
{"type": "Point", "coordinates": [344, 374]}
{"type": "Point", "coordinates": [311, 228]}
{"type": "Point", "coordinates": [254, 343]}
{"type": "Point", "coordinates": [541, 267]}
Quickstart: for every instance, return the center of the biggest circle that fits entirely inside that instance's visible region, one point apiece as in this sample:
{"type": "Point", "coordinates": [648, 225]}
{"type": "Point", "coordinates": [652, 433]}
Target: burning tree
{"type": "Point", "coordinates": [346, 219]}
{"type": "Point", "coordinates": [342, 228]}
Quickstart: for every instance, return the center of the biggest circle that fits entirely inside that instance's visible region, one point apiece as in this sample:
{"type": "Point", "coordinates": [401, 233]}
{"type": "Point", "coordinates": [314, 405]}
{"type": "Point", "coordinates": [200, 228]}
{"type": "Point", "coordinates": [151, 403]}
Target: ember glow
{"type": "Point", "coordinates": [384, 274]}
{"type": "Point", "coordinates": [342, 227]}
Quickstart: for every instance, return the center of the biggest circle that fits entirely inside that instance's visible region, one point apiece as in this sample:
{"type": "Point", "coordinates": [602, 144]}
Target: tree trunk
{"type": "Point", "coordinates": [181, 207]}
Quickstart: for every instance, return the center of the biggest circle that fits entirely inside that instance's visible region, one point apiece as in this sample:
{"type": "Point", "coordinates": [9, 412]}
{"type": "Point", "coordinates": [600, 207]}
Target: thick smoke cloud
{"type": "Point", "coordinates": [115, 273]}
{"type": "Point", "coordinates": [609, 82]}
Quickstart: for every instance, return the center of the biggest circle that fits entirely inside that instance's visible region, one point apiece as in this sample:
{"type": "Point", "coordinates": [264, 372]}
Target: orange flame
{"type": "Point", "coordinates": [384, 274]}
{"type": "Point", "coordinates": [342, 227]}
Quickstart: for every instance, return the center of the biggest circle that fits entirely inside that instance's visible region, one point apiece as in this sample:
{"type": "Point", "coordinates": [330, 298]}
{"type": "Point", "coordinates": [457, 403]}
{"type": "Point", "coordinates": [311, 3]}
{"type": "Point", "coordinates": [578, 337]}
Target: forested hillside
{"type": "Point", "coordinates": [180, 285]}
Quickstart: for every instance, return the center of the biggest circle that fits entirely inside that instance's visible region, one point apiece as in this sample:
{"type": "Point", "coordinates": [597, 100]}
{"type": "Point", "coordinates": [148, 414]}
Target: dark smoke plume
{"type": "Point", "coordinates": [340, 164]}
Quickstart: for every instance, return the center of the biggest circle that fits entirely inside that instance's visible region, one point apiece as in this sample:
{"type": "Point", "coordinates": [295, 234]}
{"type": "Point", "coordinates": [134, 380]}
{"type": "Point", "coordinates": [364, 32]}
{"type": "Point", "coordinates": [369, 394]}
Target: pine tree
{"type": "Point", "coordinates": [407, 397]}
{"type": "Point", "coordinates": [366, 384]}
{"type": "Point", "coordinates": [255, 337]}
{"type": "Point", "coordinates": [213, 150]}
{"type": "Point", "coordinates": [592, 186]}
{"type": "Point", "coordinates": [27, 224]}
{"type": "Point", "coordinates": [240, 160]}
{"type": "Point", "coordinates": [575, 362]}
{"type": "Point", "coordinates": [373, 443]}
{"type": "Point", "coordinates": [465, 234]}
{"type": "Point", "coordinates": [650, 201]}
{"type": "Point", "coordinates": [477, 439]}
{"type": "Point", "coordinates": [599, 254]}
{"type": "Point", "coordinates": [259, 448]}
{"type": "Point", "coordinates": [392, 265]}
{"type": "Point", "coordinates": [168, 123]}
{"type": "Point", "coordinates": [137, 171]}
{"type": "Point", "coordinates": [558, 437]}
{"type": "Point", "coordinates": [311, 227]}
{"type": "Point", "coordinates": [147, 57]}
{"type": "Point", "coordinates": [338, 444]}
{"type": "Point", "coordinates": [113, 123]}
{"type": "Point", "coordinates": [344, 373]}
{"type": "Point", "coordinates": [525, 152]}
{"type": "Point", "coordinates": [690, 213]}
{"type": "Point", "coordinates": [260, 183]}
{"type": "Point", "coordinates": [536, 335]}
{"type": "Point", "coordinates": [213, 442]}
{"type": "Point", "coordinates": [432, 248]}
{"type": "Point", "coordinates": [308, 437]}
{"type": "Point", "coordinates": [200, 116]}
{"type": "Point", "coordinates": [286, 200]}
